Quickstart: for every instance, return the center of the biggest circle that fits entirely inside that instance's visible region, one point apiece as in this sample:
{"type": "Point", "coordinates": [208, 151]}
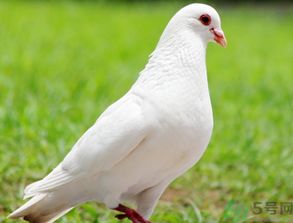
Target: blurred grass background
{"type": "Point", "coordinates": [63, 63]}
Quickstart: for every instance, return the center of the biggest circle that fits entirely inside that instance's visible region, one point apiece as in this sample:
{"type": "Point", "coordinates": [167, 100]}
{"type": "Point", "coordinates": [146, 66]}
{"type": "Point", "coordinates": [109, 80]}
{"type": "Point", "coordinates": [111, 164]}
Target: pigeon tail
{"type": "Point", "coordinates": [37, 210]}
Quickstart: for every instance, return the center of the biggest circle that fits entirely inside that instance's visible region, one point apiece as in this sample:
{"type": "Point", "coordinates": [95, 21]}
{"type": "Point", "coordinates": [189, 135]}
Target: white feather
{"type": "Point", "coordinates": [153, 134]}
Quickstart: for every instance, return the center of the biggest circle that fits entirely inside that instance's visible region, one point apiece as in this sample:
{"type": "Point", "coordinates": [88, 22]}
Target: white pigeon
{"type": "Point", "coordinates": [140, 144]}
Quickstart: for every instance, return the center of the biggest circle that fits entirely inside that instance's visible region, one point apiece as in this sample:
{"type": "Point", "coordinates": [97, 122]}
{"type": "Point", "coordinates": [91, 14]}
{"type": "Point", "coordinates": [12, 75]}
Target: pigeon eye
{"type": "Point", "coordinates": [205, 19]}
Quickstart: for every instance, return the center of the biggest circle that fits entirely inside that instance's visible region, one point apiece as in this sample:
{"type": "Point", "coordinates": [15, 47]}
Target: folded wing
{"type": "Point", "coordinates": [115, 134]}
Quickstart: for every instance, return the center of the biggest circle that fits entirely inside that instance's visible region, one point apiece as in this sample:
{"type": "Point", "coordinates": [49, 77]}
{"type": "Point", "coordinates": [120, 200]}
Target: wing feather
{"type": "Point", "coordinates": [115, 134]}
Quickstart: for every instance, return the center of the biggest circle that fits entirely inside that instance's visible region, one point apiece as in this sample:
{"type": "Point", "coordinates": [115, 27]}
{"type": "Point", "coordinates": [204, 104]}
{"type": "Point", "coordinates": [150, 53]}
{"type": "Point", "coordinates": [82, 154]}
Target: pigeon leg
{"type": "Point", "coordinates": [148, 198]}
{"type": "Point", "coordinates": [130, 214]}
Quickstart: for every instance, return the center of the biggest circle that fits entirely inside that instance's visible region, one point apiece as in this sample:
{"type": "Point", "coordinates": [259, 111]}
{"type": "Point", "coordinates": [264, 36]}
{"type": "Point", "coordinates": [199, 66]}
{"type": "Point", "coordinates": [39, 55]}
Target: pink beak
{"type": "Point", "coordinates": [219, 36]}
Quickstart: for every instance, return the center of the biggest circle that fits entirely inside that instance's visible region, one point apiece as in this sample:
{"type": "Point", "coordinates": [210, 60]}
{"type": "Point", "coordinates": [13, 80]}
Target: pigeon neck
{"type": "Point", "coordinates": [176, 71]}
{"type": "Point", "coordinates": [180, 55]}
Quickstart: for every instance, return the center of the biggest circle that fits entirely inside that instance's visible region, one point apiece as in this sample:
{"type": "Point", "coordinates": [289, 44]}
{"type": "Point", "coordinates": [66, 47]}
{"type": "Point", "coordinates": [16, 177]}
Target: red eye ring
{"type": "Point", "coordinates": [205, 19]}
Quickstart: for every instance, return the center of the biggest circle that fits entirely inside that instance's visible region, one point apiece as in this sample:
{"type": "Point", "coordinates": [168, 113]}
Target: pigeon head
{"type": "Point", "coordinates": [202, 19]}
{"type": "Point", "coordinates": [206, 21]}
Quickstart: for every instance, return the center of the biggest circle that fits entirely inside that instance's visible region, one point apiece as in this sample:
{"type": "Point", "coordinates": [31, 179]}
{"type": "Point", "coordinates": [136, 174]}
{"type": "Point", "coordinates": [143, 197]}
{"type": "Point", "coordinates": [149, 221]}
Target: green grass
{"type": "Point", "coordinates": [61, 64]}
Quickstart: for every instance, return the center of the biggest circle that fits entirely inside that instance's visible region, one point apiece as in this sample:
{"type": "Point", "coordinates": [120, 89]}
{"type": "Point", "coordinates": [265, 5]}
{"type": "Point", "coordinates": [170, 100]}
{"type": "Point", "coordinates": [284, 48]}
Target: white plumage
{"type": "Point", "coordinates": [142, 142]}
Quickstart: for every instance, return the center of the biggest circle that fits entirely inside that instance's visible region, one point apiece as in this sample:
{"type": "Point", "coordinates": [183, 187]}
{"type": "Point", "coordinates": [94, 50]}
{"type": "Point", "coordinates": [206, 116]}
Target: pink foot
{"type": "Point", "coordinates": [130, 214]}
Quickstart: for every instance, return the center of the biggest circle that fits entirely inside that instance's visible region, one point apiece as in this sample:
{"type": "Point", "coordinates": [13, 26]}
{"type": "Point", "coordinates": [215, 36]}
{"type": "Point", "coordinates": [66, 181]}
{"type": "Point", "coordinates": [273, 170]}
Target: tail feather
{"type": "Point", "coordinates": [39, 209]}
{"type": "Point", "coordinates": [49, 218]}
{"type": "Point", "coordinates": [27, 207]}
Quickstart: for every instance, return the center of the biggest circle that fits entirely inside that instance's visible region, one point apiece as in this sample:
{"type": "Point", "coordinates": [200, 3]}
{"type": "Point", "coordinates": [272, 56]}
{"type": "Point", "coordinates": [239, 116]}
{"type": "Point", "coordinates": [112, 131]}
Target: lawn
{"type": "Point", "coordinates": [62, 64]}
